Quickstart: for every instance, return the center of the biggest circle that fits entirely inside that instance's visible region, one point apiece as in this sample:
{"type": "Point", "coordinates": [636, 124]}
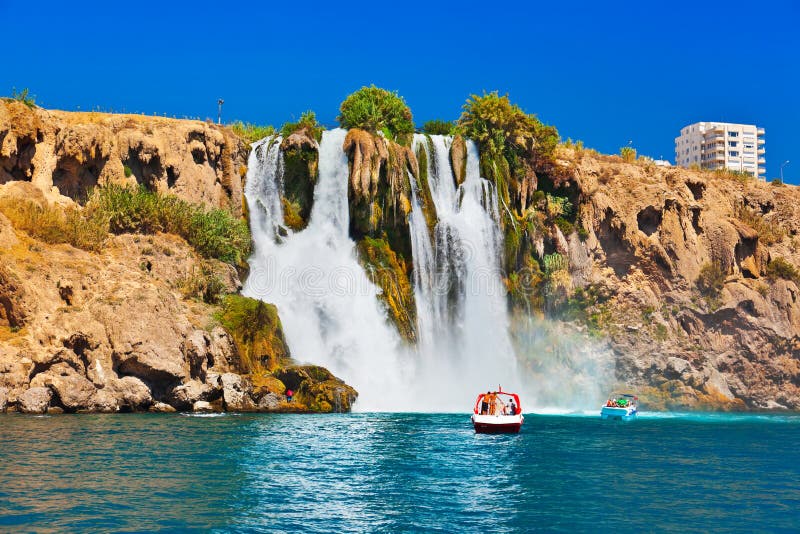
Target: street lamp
{"type": "Point", "coordinates": [784, 164]}
{"type": "Point", "coordinates": [219, 111]}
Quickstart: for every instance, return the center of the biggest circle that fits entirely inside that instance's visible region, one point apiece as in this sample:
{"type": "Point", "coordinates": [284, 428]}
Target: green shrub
{"type": "Point", "coordinates": [127, 170]}
{"type": "Point", "coordinates": [628, 154]}
{"type": "Point", "coordinates": [777, 182]}
{"type": "Point", "coordinates": [214, 233]}
{"type": "Point", "coordinates": [499, 127]}
{"type": "Point", "coordinates": [555, 262]}
{"type": "Point", "coordinates": [711, 279]}
{"type": "Point", "coordinates": [583, 233]}
{"type": "Point", "coordinates": [438, 127]}
{"type": "Point", "coordinates": [308, 122]}
{"type": "Point", "coordinates": [780, 268]}
{"type": "Point", "coordinates": [565, 226]}
{"type": "Point", "coordinates": [375, 109]}
{"type": "Point", "coordinates": [251, 132]}
{"type": "Point", "coordinates": [24, 97]}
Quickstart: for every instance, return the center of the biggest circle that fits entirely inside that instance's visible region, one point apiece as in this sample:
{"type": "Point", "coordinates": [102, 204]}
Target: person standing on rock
{"type": "Point", "coordinates": [289, 395]}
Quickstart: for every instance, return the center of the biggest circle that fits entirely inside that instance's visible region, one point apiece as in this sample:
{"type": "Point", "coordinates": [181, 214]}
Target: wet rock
{"type": "Point", "coordinates": [3, 399]}
{"type": "Point", "coordinates": [202, 406]}
{"type": "Point", "coordinates": [35, 400]}
{"type": "Point", "coordinates": [160, 407]}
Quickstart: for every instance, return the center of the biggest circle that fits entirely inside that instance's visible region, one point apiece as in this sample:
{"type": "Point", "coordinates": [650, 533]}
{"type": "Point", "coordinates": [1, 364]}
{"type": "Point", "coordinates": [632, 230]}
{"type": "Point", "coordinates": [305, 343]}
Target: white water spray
{"type": "Point", "coordinates": [328, 307]}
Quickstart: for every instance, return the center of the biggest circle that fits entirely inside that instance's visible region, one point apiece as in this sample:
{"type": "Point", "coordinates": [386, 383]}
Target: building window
{"type": "Point", "coordinates": [733, 143]}
{"type": "Point", "coordinates": [733, 153]}
{"type": "Point", "coordinates": [733, 134]}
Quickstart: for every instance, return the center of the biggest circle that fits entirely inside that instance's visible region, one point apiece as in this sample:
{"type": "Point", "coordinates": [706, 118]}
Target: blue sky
{"type": "Point", "coordinates": [603, 73]}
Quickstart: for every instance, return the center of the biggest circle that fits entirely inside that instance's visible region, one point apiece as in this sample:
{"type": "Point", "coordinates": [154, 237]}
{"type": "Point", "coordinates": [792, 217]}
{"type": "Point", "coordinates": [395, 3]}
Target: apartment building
{"type": "Point", "coordinates": [722, 145]}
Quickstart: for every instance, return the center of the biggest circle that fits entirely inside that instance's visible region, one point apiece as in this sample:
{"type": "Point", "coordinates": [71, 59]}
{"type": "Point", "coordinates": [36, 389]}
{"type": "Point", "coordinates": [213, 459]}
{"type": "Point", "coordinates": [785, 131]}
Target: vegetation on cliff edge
{"type": "Point", "coordinates": [256, 329]}
{"type": "Point", "coordinates": [378, 110]}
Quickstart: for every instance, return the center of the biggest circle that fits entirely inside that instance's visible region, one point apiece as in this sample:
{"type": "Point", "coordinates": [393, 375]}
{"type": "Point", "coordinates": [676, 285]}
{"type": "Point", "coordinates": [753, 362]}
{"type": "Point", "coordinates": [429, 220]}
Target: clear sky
{"type": "Point", "coordinates": [603, 72]}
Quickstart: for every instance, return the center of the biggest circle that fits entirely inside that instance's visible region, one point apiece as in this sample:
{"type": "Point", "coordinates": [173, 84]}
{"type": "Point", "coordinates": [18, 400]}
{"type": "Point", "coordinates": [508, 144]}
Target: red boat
{"type": "Point", "coordinates": [497, 412]}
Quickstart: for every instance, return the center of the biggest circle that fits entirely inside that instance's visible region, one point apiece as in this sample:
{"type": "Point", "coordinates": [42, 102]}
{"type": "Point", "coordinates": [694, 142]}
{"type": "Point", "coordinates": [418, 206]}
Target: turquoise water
{"type": "Point", "coordinates": [397, 472]}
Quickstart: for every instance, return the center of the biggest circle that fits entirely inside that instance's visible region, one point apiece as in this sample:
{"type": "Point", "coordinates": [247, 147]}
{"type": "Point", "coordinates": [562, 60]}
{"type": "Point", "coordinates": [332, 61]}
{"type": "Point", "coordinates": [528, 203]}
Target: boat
{"type": "Point", "coordinates": [620, 407]}
{"type": "Point", "coordinates": [491, 413]}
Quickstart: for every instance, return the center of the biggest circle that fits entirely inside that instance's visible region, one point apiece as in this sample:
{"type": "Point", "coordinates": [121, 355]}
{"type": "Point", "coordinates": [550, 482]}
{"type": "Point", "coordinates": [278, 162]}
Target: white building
{"type": "Point", "coordinates": [722, 145]}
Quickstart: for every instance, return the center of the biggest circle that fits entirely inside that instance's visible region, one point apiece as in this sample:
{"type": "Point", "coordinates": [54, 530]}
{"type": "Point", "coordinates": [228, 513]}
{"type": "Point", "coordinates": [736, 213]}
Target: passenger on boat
{"type": "Point", "coordinates": [512, 408]}
{"type": "Point", "coordinates": [485, 404]}
{"type": "Point", "coordinates": [492, 404]}
{"type": "Point", "coordinates": [499, 406]}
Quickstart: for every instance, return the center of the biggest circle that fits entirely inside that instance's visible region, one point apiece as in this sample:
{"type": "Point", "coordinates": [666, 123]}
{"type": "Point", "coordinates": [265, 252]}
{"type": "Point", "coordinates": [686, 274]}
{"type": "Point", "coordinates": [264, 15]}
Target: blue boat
{"type": "Point", "coordinates": [620, 407]}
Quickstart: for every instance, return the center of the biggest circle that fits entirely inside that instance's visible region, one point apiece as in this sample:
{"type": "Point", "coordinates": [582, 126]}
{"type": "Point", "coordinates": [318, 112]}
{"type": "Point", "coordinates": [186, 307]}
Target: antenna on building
{"type": "Point", "coordinates": [219, 110]}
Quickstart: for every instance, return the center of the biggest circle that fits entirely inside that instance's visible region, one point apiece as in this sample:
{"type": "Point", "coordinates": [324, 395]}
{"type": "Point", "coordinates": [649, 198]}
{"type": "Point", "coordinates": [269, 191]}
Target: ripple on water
{"type": "Point", "coordinates": [396, 472]}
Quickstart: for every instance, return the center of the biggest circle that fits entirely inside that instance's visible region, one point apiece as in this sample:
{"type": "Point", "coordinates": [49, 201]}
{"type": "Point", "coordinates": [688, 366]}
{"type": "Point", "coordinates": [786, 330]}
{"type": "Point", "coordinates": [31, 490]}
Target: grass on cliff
{"type": "Point", "coordinates": [214, 233]}
{"type": "Point", "coordinates": [54, 224]}
{"type": "Point", "coordinates": [308, 121]}
{"type": "Point", "coordinates": [377, 110]}
{"type": "Point", "coordinates": [251, 132]}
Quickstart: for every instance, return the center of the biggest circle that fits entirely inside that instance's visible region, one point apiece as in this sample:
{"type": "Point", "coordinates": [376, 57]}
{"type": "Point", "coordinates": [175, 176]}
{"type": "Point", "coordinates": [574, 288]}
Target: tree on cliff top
{"type": "Point", "coordinates": [377, 110]}
{"type": "Point", "coordinates": [502, 128]}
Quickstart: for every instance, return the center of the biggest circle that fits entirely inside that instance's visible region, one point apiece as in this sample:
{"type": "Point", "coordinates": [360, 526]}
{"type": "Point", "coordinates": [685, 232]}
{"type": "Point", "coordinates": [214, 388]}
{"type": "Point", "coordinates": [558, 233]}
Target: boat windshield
{"type": "Point", "coordinates": [497, 403]}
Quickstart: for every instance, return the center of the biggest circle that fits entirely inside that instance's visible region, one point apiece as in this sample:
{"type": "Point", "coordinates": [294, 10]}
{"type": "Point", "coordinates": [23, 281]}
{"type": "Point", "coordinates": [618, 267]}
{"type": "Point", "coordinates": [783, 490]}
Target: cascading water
{"type": "Point", "coordinates": [328, 307]}
{"type": "Point", "coordinates": [466, 299]}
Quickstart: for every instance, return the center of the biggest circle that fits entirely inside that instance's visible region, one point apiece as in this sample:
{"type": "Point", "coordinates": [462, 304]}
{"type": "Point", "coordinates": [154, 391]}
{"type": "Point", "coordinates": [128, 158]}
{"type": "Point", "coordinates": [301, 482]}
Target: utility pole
{"type": "Point", "coordinates": [784, 164]}
{"type": "Point", "coordinates": [219, 110]}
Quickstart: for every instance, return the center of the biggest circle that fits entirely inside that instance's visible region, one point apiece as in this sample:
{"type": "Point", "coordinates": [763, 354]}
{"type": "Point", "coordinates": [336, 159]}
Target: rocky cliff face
{"type": "Point", "coordinates": [141, 323]}
{"type": "Point", "coordinates": [68, 153]}
{"type": "Point", "coordinates": [689, 277]}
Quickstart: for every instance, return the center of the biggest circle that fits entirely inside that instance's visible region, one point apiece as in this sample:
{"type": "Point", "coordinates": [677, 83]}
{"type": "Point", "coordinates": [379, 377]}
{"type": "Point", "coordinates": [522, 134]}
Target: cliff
{"type": "Point", "coordinates": [690, 277]}
{"type": "Point", "coordinates": [103, 307]}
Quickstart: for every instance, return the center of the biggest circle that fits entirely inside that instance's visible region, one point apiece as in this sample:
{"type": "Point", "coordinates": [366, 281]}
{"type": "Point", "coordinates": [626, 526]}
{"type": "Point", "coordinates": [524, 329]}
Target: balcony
{"type": "Point", "coordinates": [712, 138]}
{"type": "Point", "coordinates": [760, 131]}
{"type": "Point", "coordinates": [760, 140]}
{"type": "Point", "coordinates": [762, 170]}
{"type": "Point", "coordinates": [762, 161]}
{"type": "Point", "coordinates": [761, 151]}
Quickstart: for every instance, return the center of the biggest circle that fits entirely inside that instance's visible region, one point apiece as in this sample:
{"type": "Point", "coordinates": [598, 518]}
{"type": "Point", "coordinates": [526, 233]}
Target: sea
{"type": "Point", "coordinates": [390, 472]}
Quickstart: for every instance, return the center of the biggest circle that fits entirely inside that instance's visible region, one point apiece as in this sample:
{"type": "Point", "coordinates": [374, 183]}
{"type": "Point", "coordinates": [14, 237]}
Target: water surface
{"type": "Point", "coordinates": [397, 472]}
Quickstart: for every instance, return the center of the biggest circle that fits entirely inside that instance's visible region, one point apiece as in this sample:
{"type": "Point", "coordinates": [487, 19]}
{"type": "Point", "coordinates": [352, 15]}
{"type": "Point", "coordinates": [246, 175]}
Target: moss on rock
{"type": "Point", "coordinates": [256, 330]}
{"type": "Point", "coordinates": [300, 172]}
{"type": "Point", "coordinates": [317, 389]}
{"type": "Point", "coordinates": [390, 273]}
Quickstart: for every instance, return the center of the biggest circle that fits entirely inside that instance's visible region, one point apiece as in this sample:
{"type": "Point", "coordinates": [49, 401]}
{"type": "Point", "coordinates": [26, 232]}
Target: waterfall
{"type": "Point", "coordinates": [466, 300]}
{"type": "Point", "coordinates": [330, 309]}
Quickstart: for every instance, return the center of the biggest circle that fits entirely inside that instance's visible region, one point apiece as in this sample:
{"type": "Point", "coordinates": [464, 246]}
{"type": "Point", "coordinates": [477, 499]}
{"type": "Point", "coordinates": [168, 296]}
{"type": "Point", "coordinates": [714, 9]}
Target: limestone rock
{"type": "Point", "coordinates": [3, 399]}
{"type": "Point", "coordinates": [72, 390]}
{"type": "Point", "coordinates": [236, 393]}
{"type": "Point", "coordinates": [160, 407]}
{"type": "Point", "coordinates": [35, 400]}
{"type": "Point", "coordinates": [189, 393]}
{"type": "Point", "coordinates": [202, 406]}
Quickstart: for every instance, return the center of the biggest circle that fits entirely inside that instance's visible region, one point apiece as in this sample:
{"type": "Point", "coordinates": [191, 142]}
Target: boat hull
{"type": "Point", "coordinates": [497, 424]}
{"type": "Point", "coordinates": [618, 414]}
